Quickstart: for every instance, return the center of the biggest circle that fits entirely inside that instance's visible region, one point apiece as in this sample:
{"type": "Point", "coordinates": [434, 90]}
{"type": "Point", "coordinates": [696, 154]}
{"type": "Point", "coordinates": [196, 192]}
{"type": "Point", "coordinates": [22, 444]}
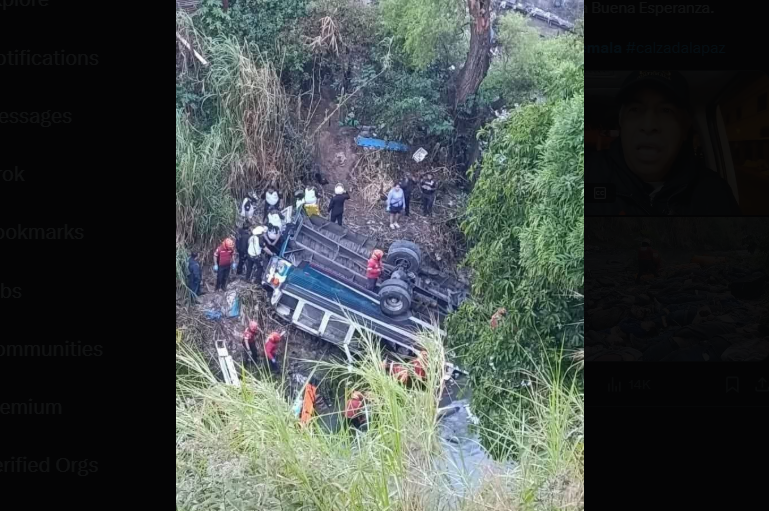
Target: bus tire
{"type": "Point", "coordinates": [403, 257]}
{"type": "Point", "coordinates": [394, 300]}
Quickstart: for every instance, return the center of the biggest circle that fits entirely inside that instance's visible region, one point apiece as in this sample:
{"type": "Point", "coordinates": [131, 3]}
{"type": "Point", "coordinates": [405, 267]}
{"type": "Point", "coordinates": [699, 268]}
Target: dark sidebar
{"type": "Point", "coordinates": [74, 234]}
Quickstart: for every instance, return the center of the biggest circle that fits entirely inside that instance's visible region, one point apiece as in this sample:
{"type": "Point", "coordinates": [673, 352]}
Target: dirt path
{"type": "Point", "coordinates": [336, 145]}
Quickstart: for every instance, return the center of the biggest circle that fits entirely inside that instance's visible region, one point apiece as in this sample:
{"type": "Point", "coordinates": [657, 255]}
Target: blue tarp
{"type": "Point", "coordinates": [381, 144]}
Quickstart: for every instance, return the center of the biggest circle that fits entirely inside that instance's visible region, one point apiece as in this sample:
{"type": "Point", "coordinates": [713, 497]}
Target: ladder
{"type": "Point", "coordinates": [227, 365]}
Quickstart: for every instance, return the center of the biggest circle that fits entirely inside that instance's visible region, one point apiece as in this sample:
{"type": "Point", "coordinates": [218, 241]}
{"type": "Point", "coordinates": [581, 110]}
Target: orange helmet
{"type": "Point", "coordinates": [377, 254]}
{"type": "Point", "coordinates": [253, 326]}
{"type": "Point", "coordinates": [229, 243]}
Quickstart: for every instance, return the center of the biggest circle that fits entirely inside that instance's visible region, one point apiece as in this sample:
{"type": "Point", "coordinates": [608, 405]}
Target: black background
{"type": "Point", "coordinates": [686, 443]}
{"type": "Point", "coordinates": [97, 173]}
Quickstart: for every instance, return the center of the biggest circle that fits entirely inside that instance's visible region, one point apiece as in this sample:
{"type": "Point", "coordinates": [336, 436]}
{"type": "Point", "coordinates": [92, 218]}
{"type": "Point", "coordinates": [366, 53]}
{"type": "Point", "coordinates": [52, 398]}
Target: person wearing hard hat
{"type": "Point", "coordinates": [271, 200]}
{"type": "Point", "coordinates": [374, 268]}
{"type": "Point", "coordinates": [419, 365]}
{"type": "Point", "coordinates": [311, 202]}
{"type": "Point", "coordinates": [355, 412]}
{"type": "Point", "coordinates": [397, 371]}
{"type": "Point", "coordinates": [255, 254]}
{"type": "Point", "coordinates": [648, 260]}
{"type": "Point", "coordinates": [249, 340]}
{"type": "Point", "coordinates": [223, 256]}
{"type": "Point", "coordinates": [271, 349]}
{"type": "Point", "coordinates": [336, 205]}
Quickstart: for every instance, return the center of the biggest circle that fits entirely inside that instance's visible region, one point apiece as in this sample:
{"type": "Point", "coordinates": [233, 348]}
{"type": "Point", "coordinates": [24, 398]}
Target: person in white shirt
{"type": "Point", "coordinates": [275, 219]}
{"type": "Point", "coordinates": [247, 208]}
{"type": "Point", "coordinates": [271, 199]}
{"type": "Point", "coordinates": [311, 202]}
{"type": "Point", "coordinates": [255, 254]}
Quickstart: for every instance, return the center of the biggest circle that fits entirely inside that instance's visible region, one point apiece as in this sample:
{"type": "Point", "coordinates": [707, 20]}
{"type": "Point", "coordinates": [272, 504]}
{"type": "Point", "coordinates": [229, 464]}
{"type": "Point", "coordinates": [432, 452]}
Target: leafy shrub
{"type": "Point", "coordinates": [405, 105]}
{"type": "Point", "coordinates": [527, 66]}
{"type": "Point", "coordinates": [426, 29]}
{"type": "Point", "coordinates": [270, 27]}
{"type": "Point", "coordinates": [525, 225]}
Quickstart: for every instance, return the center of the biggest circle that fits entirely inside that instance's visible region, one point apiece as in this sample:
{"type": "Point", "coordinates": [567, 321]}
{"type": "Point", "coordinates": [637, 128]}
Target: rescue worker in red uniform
{"type": "Point", "coordinates": [419, 365]}
{"type": "Point", "coordinates": [648, 260]}
{"type": "Point", "coordinates": [249, 340]}
{"type": "Point", "coordinates": [271, 349]}
{"type": "Point", "coordinates": [223, 257]}
{"type": "Point", "coordinates": [399, 372]}
{"type": "Point", "coordinates": [374, 268]}
{"type": "Point", "coordinates": [354, 412]}
{"type": "Point", "coordinates": [496, 318]}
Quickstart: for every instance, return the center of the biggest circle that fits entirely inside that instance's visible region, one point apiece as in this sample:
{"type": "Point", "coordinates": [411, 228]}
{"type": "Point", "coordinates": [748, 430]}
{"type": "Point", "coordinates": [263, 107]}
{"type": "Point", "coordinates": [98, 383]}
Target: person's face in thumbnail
{"type": "Point", "coordinates": [653, 129]}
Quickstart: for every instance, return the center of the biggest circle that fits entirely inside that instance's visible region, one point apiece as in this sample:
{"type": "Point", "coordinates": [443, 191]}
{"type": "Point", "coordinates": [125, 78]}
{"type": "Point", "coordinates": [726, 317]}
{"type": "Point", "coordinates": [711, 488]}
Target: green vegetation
{"type": "Point", "coordinates": [244, 120]}
{"type": "Point", "coordinates": [428, 30]}
{"type": "Point", "coordinates": [247, 136]}
{"type": "Point", "coordinates": [525, 227]}
{"type": "Point", "coordinates": [243, 447]}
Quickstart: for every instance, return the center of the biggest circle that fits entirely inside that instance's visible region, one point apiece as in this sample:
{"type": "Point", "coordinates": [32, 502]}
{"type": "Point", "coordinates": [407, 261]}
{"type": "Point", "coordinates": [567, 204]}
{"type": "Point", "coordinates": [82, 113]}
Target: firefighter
{"type": "Point", "coordinates": [374, 268]}
{"type": "Point", "coordinates": [271, 349]}
{"type": "Point", "coordinates": [223, 256]}
{"type": "Point", "coordinates": [397, 371]}
{"type": "Point", "coordinates": [355, 412]}
{"type": "Point", "coordinates": [648, 260]}
{"type": "Point", "coordinates": [419, 364]}
{"type": "Point", "coordinates": [496, 318]}
{"type": "Point", "coordinates": [249, 340]}
{"type": "Point", "coordinates": [308, 403]}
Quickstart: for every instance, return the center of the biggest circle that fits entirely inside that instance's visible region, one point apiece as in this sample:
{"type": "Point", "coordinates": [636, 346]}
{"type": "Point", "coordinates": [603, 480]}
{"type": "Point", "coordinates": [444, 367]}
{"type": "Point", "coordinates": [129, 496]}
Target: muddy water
{"type": "Point", "coordinates": [465, 460]}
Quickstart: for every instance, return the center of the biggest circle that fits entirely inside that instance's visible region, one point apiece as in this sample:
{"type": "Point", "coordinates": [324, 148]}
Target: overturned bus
{"type": "Point", "coordinates": [318, 284]}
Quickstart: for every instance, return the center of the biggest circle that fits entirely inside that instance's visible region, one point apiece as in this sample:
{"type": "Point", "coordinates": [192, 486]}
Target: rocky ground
{"type": "Point", "coordinates": [714, 311]}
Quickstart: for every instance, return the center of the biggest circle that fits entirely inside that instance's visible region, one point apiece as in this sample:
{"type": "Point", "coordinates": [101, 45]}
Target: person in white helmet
{"type": "Point", "coordinates": [255, 254]}
{"type": "Point", "coordinates": [271, 200]}
{"type": "Point", "coordinates": [336, 205]}
{"type": "Point", "coordinates": [275, 219]}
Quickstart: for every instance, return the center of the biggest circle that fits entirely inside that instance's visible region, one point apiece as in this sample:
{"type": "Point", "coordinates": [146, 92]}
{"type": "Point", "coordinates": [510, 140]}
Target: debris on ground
{"type": "Point", "coordinates": [377, 143]}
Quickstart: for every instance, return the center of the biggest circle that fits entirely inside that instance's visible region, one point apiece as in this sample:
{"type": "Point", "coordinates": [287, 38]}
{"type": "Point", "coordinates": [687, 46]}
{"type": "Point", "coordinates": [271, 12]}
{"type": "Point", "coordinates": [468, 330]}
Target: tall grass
{"type": "Point", "coordinates": [254, 140]}
{"type": "Point", "coordinates": [241, 448]}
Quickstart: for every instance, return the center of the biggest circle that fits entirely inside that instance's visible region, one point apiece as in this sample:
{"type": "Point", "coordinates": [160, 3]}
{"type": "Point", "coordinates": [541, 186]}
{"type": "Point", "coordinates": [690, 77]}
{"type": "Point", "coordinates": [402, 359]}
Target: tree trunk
{"type": "Point", "coordinates": [477, 62]}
